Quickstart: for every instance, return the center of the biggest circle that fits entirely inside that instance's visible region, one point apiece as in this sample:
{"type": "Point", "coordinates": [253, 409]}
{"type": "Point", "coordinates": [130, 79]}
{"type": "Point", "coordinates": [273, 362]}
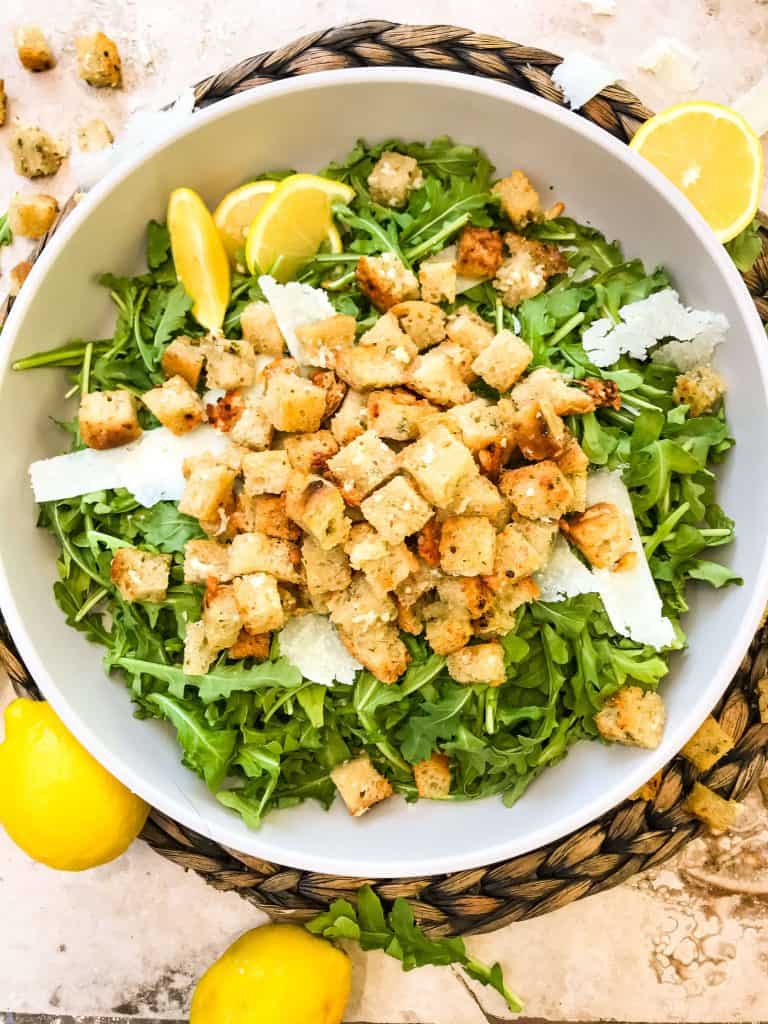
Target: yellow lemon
{"type": "Point", "coordinates": [237, 211]}
{"type": "Point", "coordinates": [292, 224]}
{"type": "Point", "coordinates": [199, 257]}
{"type": "Point", "coordinates": [56, 801]}
{"type": "Point", "coordinates": [713, 156]}
{"type": "Point", "coordinates": [274, 975]}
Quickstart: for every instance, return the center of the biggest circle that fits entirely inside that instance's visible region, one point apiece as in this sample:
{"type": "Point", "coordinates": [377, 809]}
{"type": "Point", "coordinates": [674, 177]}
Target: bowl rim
{"type": "Point", "coordinates": [163, 798]}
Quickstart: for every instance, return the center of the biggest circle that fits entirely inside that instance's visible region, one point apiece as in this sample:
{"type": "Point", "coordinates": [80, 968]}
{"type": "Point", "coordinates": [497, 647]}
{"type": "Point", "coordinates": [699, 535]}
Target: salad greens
{"type": "Point", "coordinates": [6, 235]}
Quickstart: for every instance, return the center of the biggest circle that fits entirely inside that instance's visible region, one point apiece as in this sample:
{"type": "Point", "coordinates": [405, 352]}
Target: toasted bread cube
{"type": "Point", "coordinates": [17, 276]}
{"type": "Point", "coordinates": [440, 465]}
{"type": "Point", "coordinates": [229, 364]}
{"type": "Point", "coordinates": [361, 607]}
{"type": "Point", "coordinates": [310, 453]}
{"type": "Point", "coordinates": [140, 575]}
{"type": "Point", "coordinates": [349, 422]}
{"type": "Point", "coordinates": [393, 178]}
{"type": "Point", "coordinates": [396, 510]}
{"type": "Point", "coordinates": [437, 277]}
{"type": "Point", "coordinates": [526, 271]}
{"type": "Point", "coordinates": [175, 404]}
{"type": "Point", "coordinates": [480, 423]}
{"type": "Point", "coordinates": [94, 135]}
{"type": "Point", "coordinates": [264, 513]}
{"type": "Point", "coordinates": [467, 546]}
{"type": "Point", "coordinates": [649, 790]}
{"type": "Point", "coordinates": [706, 805]}
{"type": "Point", "coordinates": [208, 487]}
{"type": "Point", "coordinates": [377, 364]}
{"type": "Point", "coordinates": [33, 49]}
{"type": "Point", "coordinates": [385, 280]}
{"type": "Point", "coordinates": [423, 322]}
{"type": "Point", "coordinates": [360, 785]}
{"type": "Point", "coordinates": [325, 571]}
{"type": "Point", "coordinates": [224, 412]}
{"type": "Point", "coordinates": [252, 428]}
{"type": "Point", "coordinates": [438, 376]}
{"type": "Point", "coordinates": [469, 330]}
{"type": "Point", "coordinates": [632, 716]}
{"type": "Point", "coordinates": [480, 252]}
{"type": "Point", "coordinates": [572, 459]}
{"type": "Point", "coordinates": [256, 552]}
{"type": "Point", "coordinates": [260, 329]}
{"type": "Point", "coordinates": [258, 602]}
{"type": "Point", "coordinates": [198, 653]}
{"type": "Point", "coordinates": [468, 593]}
{"type": "Point", "coordinates": [221, 618]}
{"type": "Point", "coordinates": [266, 472]}
{"type": "Point", "coordinates": [448, 627]}
{"type": "Point", "coordinates": [503, 361]}
{"type": "Point", "coordinates": [537, 492]}
{"type": "Point", "coordinates": [433, 777]}
{"type": "Point", "coordinates": [501, 616]}
{"type": "Point", "coordinates": [516, 557]}
{"type": "Point", "coordinates": [3, 103]}
{"type": "Point", "coordinates": [250, 645]}
{"type": "Point", "coordinates": [361, 466]}
{"type": "Point", "coordinates": [185, 359]}
{"type": "Point", "coordinates": [32, 216]}
{"type": "Point", "coordinates": [380, 650]}
{"type": "Point", "coordinates": [397, 414]}
{"type": "Point", "coordinates": [700, 389]}
{"type": "Point", "coordinates": [480, 663]}
{"type": "Point", "coordinates": [564, 398]}
{"type": "Point", "coordinates": [318, 507]}
{"type": "Point", "coordinates": [98, 61]}
{"type": "Point", "coordinates": [294, 403]}
{"type": "Point", "coordinates": [538, 431]}
{"type": "Point", "coordinates": [321, 338]}
{"type": "Point", "coordinates": [108, 419]}
{"type": "Point", "coordinates": [519, 199]}
{"type": "Point", "coordinates": [335, 390]}
{"type": "Point", "coordinates": [204, 560]}
{"type": "Point", "coordinates": [705, 748]}
{"type": "Point", "coordinates": [602, 533]}
{"type": "Point", "coordinates": [384, 565]}
{"type": "Point", "coordinates": [423, 578]}
{"type": "Point", "coordinates": [36, 154]}
{"type": "Point", "coordinates": [481, 497]}
{"type": "Point", "coordinates": [428, 542]}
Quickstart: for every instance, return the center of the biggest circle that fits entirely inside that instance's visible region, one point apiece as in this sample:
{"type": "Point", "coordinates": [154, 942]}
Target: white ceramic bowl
{"type": "Point", "coordinates": [304, 123]}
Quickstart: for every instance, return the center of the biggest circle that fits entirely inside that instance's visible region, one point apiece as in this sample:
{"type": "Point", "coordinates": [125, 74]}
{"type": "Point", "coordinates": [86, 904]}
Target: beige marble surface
{"type": "Point", "coordinates": [687, 943]}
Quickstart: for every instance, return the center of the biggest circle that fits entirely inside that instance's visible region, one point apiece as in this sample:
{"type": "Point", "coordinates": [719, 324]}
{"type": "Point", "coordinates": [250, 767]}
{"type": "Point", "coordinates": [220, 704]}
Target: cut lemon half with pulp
{"type": "Point", "coordinates": [237, 211]}
{"type": "Point", "coordinates": [714, 158]}
{"type": "Point", "coordinates": [199, 257]}
{"type": "Point", "coordinates": [293, 223]}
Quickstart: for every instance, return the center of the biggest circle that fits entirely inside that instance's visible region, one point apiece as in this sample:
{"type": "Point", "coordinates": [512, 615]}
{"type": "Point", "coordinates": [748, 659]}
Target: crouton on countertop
{"type": "Point", "coordinates": [31, 216]}
{"type": "Point", "coordinates": [98, 61]}
{"type": "Point", "coordinates": [36, 154]}
{"type": "Point", "coordinates": [94, 135]}
{"type": "Point", "coordinates": [33, 49]}
{"type": "Point", "coordinates": [708, 744]}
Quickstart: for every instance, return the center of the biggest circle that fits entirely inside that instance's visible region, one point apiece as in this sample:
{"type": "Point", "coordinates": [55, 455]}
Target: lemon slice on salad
{"type": "Point", "coordinates": [713, 156]}
{"type": "Point", "coordinates": [293, 223]}
{"type": "Point", "coordinates": [237, 211]}
{"type": "Point", "coordinates": [199, 257]}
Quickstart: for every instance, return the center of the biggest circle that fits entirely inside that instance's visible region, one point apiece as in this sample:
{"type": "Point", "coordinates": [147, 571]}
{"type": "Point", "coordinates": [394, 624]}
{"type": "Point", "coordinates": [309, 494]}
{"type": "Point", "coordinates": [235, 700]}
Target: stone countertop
{"type": "Point", "coordinates": [687, 942]}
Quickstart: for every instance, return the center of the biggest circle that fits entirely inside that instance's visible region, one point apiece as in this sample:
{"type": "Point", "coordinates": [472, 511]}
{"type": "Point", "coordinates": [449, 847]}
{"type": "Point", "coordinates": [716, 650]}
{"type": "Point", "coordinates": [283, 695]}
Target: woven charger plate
{"type": "Point", "coordinates": [634, 836]}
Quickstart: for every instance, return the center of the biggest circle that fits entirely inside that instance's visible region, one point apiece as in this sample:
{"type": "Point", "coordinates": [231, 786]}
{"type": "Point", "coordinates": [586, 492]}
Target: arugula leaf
{"type": "Point", "coordinates": [746, 247]}
{"type": "Point", "coordinates": [177, 305]}
{"type": "Point", "coordinates": [167, 529]}
{"type": "Point", "coordinates": [435, 721]}
{"type": "Point", "coordinates": [6, 235]}
{"type": "Point", "coordinates": [158, 244]}
{"type": "Point", "coordinates": [221, 681]}
{"type": "Point", "coordinates": [207, 751]}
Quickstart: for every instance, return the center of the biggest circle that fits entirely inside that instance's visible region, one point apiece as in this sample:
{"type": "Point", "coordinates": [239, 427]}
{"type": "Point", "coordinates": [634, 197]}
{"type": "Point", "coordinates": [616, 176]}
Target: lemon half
{"type": "Point", "coordinates": [199, 257]}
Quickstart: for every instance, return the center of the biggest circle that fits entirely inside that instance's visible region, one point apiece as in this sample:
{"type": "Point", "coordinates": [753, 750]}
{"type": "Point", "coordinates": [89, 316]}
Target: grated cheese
{"type": "Point", "coordinates": [581, 77]}
{"type": "Point", "coordinates": [312, 645]}
{"type": "Point", "coordinates": [295, 304]}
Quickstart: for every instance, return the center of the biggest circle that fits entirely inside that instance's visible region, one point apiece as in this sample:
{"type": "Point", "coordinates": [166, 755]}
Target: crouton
{"type": "Point", "coordinates": [526, 271]}
{"type": "Point", "coordinates": [36, 154]}
{"type": "Point", "coordinates": [481, 497]}
{"type": "Point", "coordinates": [537, 430]}
{"type": "Point", "coordinates": [360, 607]}
{"type": "Point", "coordinates": [335, 389]}
{"type": "Point", "coordinates": [437, 278]}
{"type": "Point", "coordinates": [94, 135]}
{"type": "Point", "coordinates": [198, 653]}
{"type": "Point", "coordinates": [360, 785]}
{"type": "Point", "coordinates": [325, 571]}
{"type": "Point", "coordinates": [448, 627]}
{"type": "Point", "coordinates": [318, 507]}
{"type": "Point", "coordinates": [480, 252]}
{"type": "Point", "coordinates": [32, 48]}
{"type": "Point", "coordinates": [32, 216]}
{"type": "Point", "coordinates": [250, 645]}
{"type": "Point", "coordinates": [706, 805]}
{"type": "Point", "coordinates": [293, 403]}
{"type": "Point", "coordinates": [479, 422]}
{"type": "Point", "coordinates": [519, 199]}
{"type": "Point", "coordinates": [604, 393]}
{"type": "Point", "coordinates": [423, 322]}
{"type": "Point", "coordinates": [349, 422]}
{"type": "Point", "coordinates": [385, 280]}
{"type": "Point", "coordinates": [469, 330]}
{"type": "Point", "coordinates": [537, 492]}
{"type": "Point", "coordinates": [393, 178]}
{"type": "Point", "coordinates": [256, 552]}
{"type": "Point", "coordinates": [439, 376]}
{"type": "Point", "coordinates": [428, 542]}
{"type": "Point", "coordinates": [221, 618]}
{"type": "Point", "coordinates": [258, 602]}
{"type": "Point", "coordinates": [18, 275]}
{"type": "Point", "coordinates": [225, 411]}
{"type": "Point", "coordinates": [360, 466]}
{"type": "Point", "coordinates": [379, 649]}
{"type": "Point", "coordinates": [266, 472]}
{"type": "Point", "coordinates": [602, 533]}
{"type": "Point", "coordinates": [260, 329]}
{"type": "Point", "coordinates": [515, 558]}
{"type": "Point", "coordinates": [468, 593]}
{"type": "Point", "coordinates": [440, 465]}
{"type": "Point", "coordinates": [264, 513]}
{"type": "Point", "coordinates": [422, 579]}
{"type": "Point", "coordinates": [503, 361]}
{"type": "Point", "coordinates": [572, 458]}
{"type": "Point", "coordinates": [208, 487]}
{"type": "Point", "coordinates": [251, 427]}
{"type": "Point", "coordinates": [501, 615]}
{"type": "Point", "coordinates": [700, 389]}
{"type": "Point", "coordinates": [229, 364]}
{"type": "Point", "coordinates": [310, 453]}
{"type": "Point", "coordinates": [320, 339]}
{"type": "Point", "coordinates": [632, 716]}
{"type": "Point", "coordinates": [204, 560]}
{"type": "Point", "coordinates": [376, 362]}
{"type": "Point", "coordinates": [175, 404]}
{"type": "Point", "coordinates": [551, 385]}
{"type": "Point", "coordinates": [140, 575]}
{"type": "Point", "coordinates": [3, 103]}
{"type": "Point", "coordinates": [384, 565]}
{"type": "Point", "coordinates": [708, 744]}
{"type": "Point", "coordinates": [480, 663]}
{"type": "Point", "coordinates": [98, 61]}
{"type": "Point", "coordinates": [185, 359]}
{"type": "Point", "coordinates": [397, 414]}
{"type": "Point", "coordinates": [649, 790]}
{"type": "Point", "coordinates": [396, 510]}
{"type": "Point", "coordinates": [467, 546]}
{"type": "Point", "coordinates": [108, 419]}
{"type": "Point", "coordinates": [578, 503]}
{"type": "Point", "coordinates": [433, 777]}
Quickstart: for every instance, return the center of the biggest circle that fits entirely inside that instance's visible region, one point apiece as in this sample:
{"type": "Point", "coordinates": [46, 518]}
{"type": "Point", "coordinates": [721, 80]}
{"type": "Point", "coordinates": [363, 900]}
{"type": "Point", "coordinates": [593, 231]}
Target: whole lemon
{"type": "Point", "coordinates": [56, 801]}
{"type": "Point", "coordinates": [275, 974]}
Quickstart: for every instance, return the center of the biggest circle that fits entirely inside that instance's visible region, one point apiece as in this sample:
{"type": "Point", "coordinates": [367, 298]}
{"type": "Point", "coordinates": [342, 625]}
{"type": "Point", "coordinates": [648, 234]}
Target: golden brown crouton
{"type": "Point", "coordinates": [423, 322]}
{"type": "Point", "coordinates": [649, 789]}
{"type": "Point", "coordinates": [256, 552]}
{"type": "Point", "coordinates": [175, 404]}
{"type": "Point", "coordinates": [708, 744]}
{"type": "Point", "coordinates": [318, 507]}
{"type": "Point", "coordinates": [537, 492]}
{"type": "Point", "coordinates": [360, 607]}
{"type": "Point", "coordinates": [33, 49]}
{"type": "Point", "coordinates": [396, 510]}
{"type": "Point", "coordinates": [326, 571]}
{"type": "Point", "coordinates": [335, 389]}
{"type": "Point", "coordinates": [501, 616]}
{"type": "Point", "coordinates": [225, 411]}
{"type": "Point", "coordinates": [349, 421]}
{"type": "Point", "coordinates": [266, 472]}
{"type": "Point", "coordinates": [433, 777]}
{"type": "Point", "coordinates": [31, 216]}
{"type": "Point", "coordinates": [519, 199]}
{"type": "Point", "coordinates": [380, 650]}
{"type": "Point", "coordinates": [221, 618]}
{"type": "Point", "coordinates": [448, 627]}
{"type": "Point", "coordinates": [706, 805]}
{"type": "Point", "coordinates": [198, 653]}
{"type": "Point", "coordinates": [208, 486]}
{"type": "Point", "coordinates": [467, 546]}
{"type": "Point", "coordinates": [98, 61]}
{"type": "Point", "coordinates": [397, 414]}
{"type": "Point", "coordinates": [503, 361]}
{"type": "Point", "coordinates": [108, 419]}
{"type": "Point", "coordinates": [360, 466]}
{"type": "Point", "coordinates": [440, 465]}
{"type": "Point", "coordinates": [264, 513]}
{"type": "Point", "coordinates": [250, 645]}
{"type": "Point", "coordinates": [360, 785]}
{"type": "Point", "coordinates": [469, 330]}
{"type": "Point", "coordinates": [204, 560]}
{"type": "Point", "coordinates": [481, 497]}
{"type": "Point", "coordinates": [393, 178]}
{"type": "Point", "coordinates": [700, 389]}
{"type": "Point", "coordinates": [602, 533]}
{"type": "Point", "coordinates": [294, 403]}
{"type": "Point", "coordinates": [320, 339]}
{"type": "Point", "coordinates": [572, 459]}
{"type": "Point", "coordinates": [185, 359]}
{"type": "Point", "coordinates": [258, 602]}
{"type": "Point", "coordinates": [384, 565]}
{"type": "Point", "coordinates": [3, 103]}
{"type": "Point", "coordinates": [479, 422]}
{"type": "Point", "coordinates": [251, 427]}
{"type": "Point", "coordinates": [423, 578]}
{"type": "Point", "coordinates": [480, 663]}
{"type": "Point", "coordinates": [260, 329]}
{"type": "Point", "coordinates": [94, 135]}
{"type": "Point", "coordinates": [469, 593]}
{"type": "Point", "coordinates": [439, 376]}
{"type": "Point", "coordinates": [537, 430]}
{"type": "Point", "coordinates": [558, 390]}
{"type": "Point", "coordinates": [632, 716]}
{"type": "Point", "coordinates": [18, 275]}
{"type": "Point", "coordinates": [310, 452]}
{"type": "Point", "coordinates": [604, 393]}
{"type": "Point", "coordinates": [526, 271]}
{"type": "Point", "coordinates": [385, 280]}
{"type": "Point", "coordinates": [229, 364]}
{"type": "Point", "coordinates": [35, 153]}
{"type": "Point", "coordinates": [480, 252]}
{"type": "Point", "coordinates": [437, 277]}
{"type": "Point", "coordinates": [515, 559]}
{"type": "Point", "coordinates": [376, 362]}
{"type": "Point", "coordinates": [140, 575]}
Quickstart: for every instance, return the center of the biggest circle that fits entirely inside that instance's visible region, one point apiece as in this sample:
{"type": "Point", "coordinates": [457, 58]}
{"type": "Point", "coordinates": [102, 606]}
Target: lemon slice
{"type": "Point", "coordinates": [199, 257]}
{"type": "Point", "coordinates": [714, 158]}
{"type": "Point", "coordinates": [237, 211]}
{"type": "Point", "coordinates": [292, 224]}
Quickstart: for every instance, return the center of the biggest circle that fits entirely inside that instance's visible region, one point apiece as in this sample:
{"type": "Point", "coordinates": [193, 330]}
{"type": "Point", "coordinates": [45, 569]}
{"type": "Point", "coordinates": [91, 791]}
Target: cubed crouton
{"type": "Point", "coordinates": [294, 404]}
{"type": "Point", "coordinates": [175, 404]}
{"type": "Point", "coordinates": [433, 777]}
{"type": "Point", "coordinates": [706, 805]}
{"type": "Point", "coordinates": [360, 607]}
{"type": "Point", "coordinates": [350, 421]}
{"type": "Point", "coordinates": [266, 472]}
{"type": "Point", "coordinates": [94, 135]}
{"type": "Point", "coordinates": [318, 507]}
{"type": "Point", "coordinates": [250, 645]}
{"type": "Point", "coordinates": [198, 653]}
{"type": "Point", "coordinates": [480, 423]}
{"type": "Point", "coordinates": [384, 565]}
{"type": "Point", "coordinates": [36, 154]}
{"type": "Point", "coordinates": [325, 571]}
{"type": "Point", "coordinates": [537, 492]}
{"type": "Point", "coordinates": [469, 330]}
{"type": "Point", "coordinates": [360, 785]}
{"type": "Point", "coordinates": [423, 578]}
{"type": "Point", "coordinates": [708, 744]}
{"type": "Point", "coordinates": [396, 510]}
{"type": "Point", "coordinates": [526, 271]}
{"type": "Point", "coordinates": [700, 389]}
{"type": "Point", "coordinates": [256, 552]}
{"type": "Point", "coordinates": [229, 363]}
{"type": "Point", "coordinates": [397, 414]}
{"type": "Point", "coordinates": [17, 276]}
{"type": "Point", "coordinates": [537, 430]}
{"type": "Point", "coordinates": [32, 216]}
{"type": "Point", "coordinates": [385, 280]}
{"type": "Point", "coordinates": [379, 649]}
{"type": "Point", "coordinates": [393, 178]}
{"type": "Point", "coordinates": [183, 358]}
{"type": "Point", "coordinates": [252, 427]}
{"type": "Point", "coordinates": [360, 466]}
{"type": "Point", "coordinates": [501, 616]}
{"type": "Point", "coordinates": [33, 49]}
{"type": "Point", "coordinates": [260, 329]}
{"type": "Point", "coordinates": [264, 513]}
{"type": "Point", "coordinates": [310, 453]}
{"type": "Point", "coordinates": [604, 393]}
{"type": "Point", "coordinates": [204, 560]}
{"type": "Point", "coordinates": [480, 252]}
{"type": "Point", "coordinates": [649, 790]}
{"type": "Point", "coordinates": [481, 497]}
{"type": "Point", "coordinates": [448, 627]}
{"type": "Point", "coordinates": [632, 716]}
{"type": "Point", "coordinates": [98, 61]}
{"type": "Point", "coordinates": [377, 364]}
{"type": "Point", "coordinates": [258, 602]}
{"type": "Point", "coordinates": [503, 361]}
{"type": "Point", "coordinates": [480, 663]}
{"type": "Point", "coordinates": [140, 575]}
{"type": "Point", "coordinates": [602, 533]}
{"type": "Point", "coordinates": [516, 557]}
{"type": "Point", "coordinates": [440, 465]}
{"type": "Point", "coordinates": [572, 459]}
{"type": "Point", "coordinates": [428, 542]}
{"type": "Point", "coordinates": [437, 277]}
{"type": "Point", "coordinates": [3, 103]}
{"type": "Point", "coordinates": [208, 487]}
{"type": "Point", "coordinates": [108, 419]}
{"type": "Point", "coordinates": [468, 593]}
{"type": "Point", "coordinates": [467, 546]}
{"type": "Point", "coordinates": [320, 339]}
{"type": "Point", "coordinates": [225, 411]}
{"type": "Point", "coordinates": [335, 389]}
{"type": "Point", "coordinates": [423, 322]}
{"type": "Point", "coordinates": [440, 376]}
{"type": "Point", "coordinates": [221, 618]}
{"type": "Point", "coordinates": [558, 390]}
{"type": "Point", "coordinates": [519, 199]}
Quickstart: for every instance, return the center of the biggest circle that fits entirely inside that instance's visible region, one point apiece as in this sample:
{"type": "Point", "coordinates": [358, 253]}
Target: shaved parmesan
{"type": "Point", "coordinates": [673, 63]}
{"type": "Point", "coordinates": [581, 77]}
{"type": "Point", "coordinates": [150, 468]}
{"type": "Point", "coordinates": [753, 105]}
{"type": "Point", "coordinates": [312, 645]}
{"type": "Point", "coordinates": [564, 575]}
{"type": "Point", "coordinates": [295, 304]}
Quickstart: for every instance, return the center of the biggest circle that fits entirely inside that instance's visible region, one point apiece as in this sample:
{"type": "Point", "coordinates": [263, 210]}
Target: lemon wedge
{"type": "Point", "coordinates": [292, 224]}
{"type": "Point", "coordinates": [237, 211]}
{"type": "Point", "coordinates": [199, 257]}
{"type": "Point", "coordinates": [713, 156]}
